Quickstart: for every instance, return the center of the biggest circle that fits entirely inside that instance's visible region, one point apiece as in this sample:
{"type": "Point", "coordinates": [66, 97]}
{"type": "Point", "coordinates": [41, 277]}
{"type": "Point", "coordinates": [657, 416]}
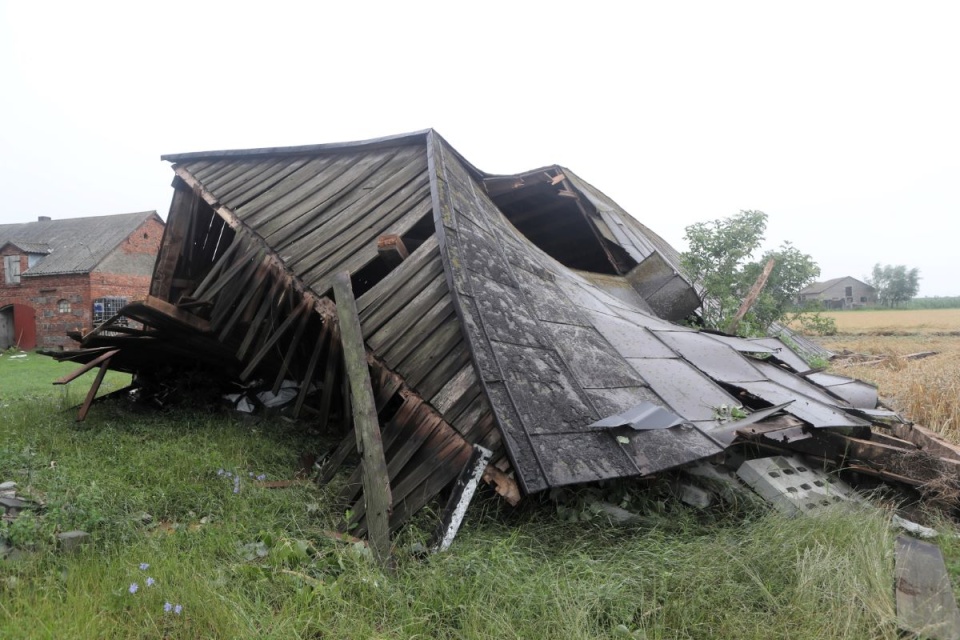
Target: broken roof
{"type": "Point", "coordinates": [522, 311]}
{"type": "Point", "coordinates": [71, 245]}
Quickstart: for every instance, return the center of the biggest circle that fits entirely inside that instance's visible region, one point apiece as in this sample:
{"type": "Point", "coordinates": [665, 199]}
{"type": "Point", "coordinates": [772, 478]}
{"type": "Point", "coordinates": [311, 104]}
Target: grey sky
{"type": "Point", "coordinates": [840, 120]}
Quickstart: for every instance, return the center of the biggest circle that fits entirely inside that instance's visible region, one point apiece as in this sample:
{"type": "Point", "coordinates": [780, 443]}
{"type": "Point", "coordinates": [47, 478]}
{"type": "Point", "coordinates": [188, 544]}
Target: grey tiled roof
{"type": "Point", "coordinates": [73, 245]}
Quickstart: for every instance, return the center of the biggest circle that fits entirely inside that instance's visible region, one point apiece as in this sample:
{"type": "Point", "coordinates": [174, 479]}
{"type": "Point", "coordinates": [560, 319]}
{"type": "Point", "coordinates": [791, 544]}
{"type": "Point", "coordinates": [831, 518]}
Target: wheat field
{"type": "Point", "coordinates": [927, 390]}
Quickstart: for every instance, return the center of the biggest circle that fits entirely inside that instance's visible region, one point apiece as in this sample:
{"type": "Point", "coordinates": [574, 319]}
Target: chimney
{"type": "Point", "coordinates": [43, 218]}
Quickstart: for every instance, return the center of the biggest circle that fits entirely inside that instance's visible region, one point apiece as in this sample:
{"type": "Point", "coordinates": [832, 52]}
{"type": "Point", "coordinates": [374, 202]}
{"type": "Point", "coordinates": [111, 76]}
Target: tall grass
{"type": "Point", "coordinates": [258, 563]}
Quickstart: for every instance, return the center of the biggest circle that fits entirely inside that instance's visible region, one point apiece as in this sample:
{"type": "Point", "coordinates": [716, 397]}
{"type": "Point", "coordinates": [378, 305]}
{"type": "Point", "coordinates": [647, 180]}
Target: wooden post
{"type": "Point", "coordinates": [376, 481]}
{"type": "Point", "coordinates": [751, 297]}
{"type": "Point", "coordinates": [92, 393]}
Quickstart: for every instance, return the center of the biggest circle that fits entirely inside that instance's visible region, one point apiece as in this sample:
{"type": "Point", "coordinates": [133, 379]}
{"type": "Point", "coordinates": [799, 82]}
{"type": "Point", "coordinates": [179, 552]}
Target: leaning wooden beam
{"type": "Point", "coordinates": [183, 317]}
{"type": "Point", "coordinates": [751, 296]}
{"type": "Point", "coordinates": [92, 393]}
{"type": "Point", "coordinates": [90, 365]}
{"type": "Point", "coordinates": [376, 484]}
{"type": "Point", "coordinates": [302, 309]}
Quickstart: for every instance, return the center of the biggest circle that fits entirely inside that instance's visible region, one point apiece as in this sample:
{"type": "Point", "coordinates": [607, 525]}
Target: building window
{"type": "Point", "coordinates": [11, 268]}
{"type": "Point", "coordinates": [848, 292]}
{"type": "Point", "coordinates": [106, 308]}
{"type": "Point", "coordinates": [63, 306]}
{"type": "Point", "coordinates": [863, 298]}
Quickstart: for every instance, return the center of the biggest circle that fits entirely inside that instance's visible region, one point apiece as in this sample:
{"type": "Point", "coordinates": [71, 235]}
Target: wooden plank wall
{"type": "Point", "coordinates": [409, 322]}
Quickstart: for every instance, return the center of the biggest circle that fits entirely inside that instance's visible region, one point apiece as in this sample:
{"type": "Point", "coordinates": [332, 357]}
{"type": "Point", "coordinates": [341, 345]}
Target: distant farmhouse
{"type": "Point", "coordinates": [840, 293]}
{"type": "Point", "coordinates": [67, 275]}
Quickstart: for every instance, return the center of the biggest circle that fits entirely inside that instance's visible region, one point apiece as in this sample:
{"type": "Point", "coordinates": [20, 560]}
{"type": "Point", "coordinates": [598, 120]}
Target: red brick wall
{"type": "Point", "coordinates": [44, 295]}
{"type": "Point", "coordinates": [125, 273]}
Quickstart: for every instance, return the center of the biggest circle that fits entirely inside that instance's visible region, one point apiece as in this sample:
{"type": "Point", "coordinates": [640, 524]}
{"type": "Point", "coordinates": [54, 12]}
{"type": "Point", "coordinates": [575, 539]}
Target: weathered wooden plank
{"type": "Point", "coordinates": [405, 331]}
{"type": "Point", "coordinates": [90, 365]}
{"type": "Point", "coordinates": [216, 269]}
{"type": "Point", "coordinates": [926, 605]}
{"type": "Point", "coordinates": [92, 393]}
{"type": "Point", "coordinates": [458, 356]}
{"type": "Point", "coordinates": [288, 221]}
{"type": "Point", "coordinates": [301, 310]}
{"type": "Point", "coordinates": [182, 207]}
{"type": "Point", "coordinates": [250, 254]}
{"type": "Point", "coordinates": [333, 229]}
{"type": "Point", "coordinates": [360, 252]}
{"type": "Point", "coordinates": [268, 302]}
{"type": "Point", "coordinates": [292, 347]}
{"type": "Point", "coordinates": [255, 284]}
{"type": "Point", "coordinates": [238, 196]}
{"type": "Point", "coordinates": [289, 190]}
{"type": "Point", "coordinates": [461, 384]}
{"type": "Point", "coordinates": [420, 363]}
{"type": "Point", "coordinates": [422, 289]}
{"type": "Point", "coordinates": [338, 194]}
{"type": "Point", "coordinates": [388, 287]}
{"type": "Point", "coordinates": [244, 291]}
{"type": "Point", "coordinates": [376, 483]}
{"type": "Point", "coordinates": [173, 313]}
{"type": "Point", "coordinates": [751, 296]}
{"type": "Point", "coordinates": [926, 440]}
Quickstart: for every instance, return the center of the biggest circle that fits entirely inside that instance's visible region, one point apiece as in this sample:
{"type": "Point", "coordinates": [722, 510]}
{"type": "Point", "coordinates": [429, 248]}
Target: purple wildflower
{"type": "Point", "coordinates": [144, 566]}
{"type": "Point", "coordinates": [151, 582]}
{"type": "Point", "coordinates": [167, 607]}
{"type": "Point", "coordinates": [133, 587]}
{"type": "Point", "coordinates": [178, 609]}
{"type": "Point", "coordinates": [262, 477]}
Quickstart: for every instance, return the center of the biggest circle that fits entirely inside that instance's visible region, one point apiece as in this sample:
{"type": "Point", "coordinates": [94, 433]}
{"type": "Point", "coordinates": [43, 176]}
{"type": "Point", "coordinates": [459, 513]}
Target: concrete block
{"type": "Point", "coordinates": [792, 487]}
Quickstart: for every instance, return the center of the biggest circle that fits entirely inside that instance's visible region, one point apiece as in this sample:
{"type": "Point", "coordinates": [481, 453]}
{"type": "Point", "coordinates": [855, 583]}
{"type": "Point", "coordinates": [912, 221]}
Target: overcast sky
{"type": "Point", "coordinates": [840, 120]}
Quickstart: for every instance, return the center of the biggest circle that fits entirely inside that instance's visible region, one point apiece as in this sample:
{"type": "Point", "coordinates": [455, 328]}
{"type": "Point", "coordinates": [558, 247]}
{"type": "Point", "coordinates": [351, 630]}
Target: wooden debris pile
{"type": "Point", "coordinates": [455, 327]}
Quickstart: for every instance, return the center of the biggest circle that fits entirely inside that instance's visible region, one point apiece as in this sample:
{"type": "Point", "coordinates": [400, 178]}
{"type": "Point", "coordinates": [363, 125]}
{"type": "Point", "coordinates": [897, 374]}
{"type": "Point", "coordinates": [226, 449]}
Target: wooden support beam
{"type": "Point", "coordinates": [291, 350]}
{"type": "Point", "coordinates": [376, 483]}
{"type": "Point", "coordinates": [92, 393]}
{"type": "Point", "coordinates": [751, 296]}
{"type": "Point", "coordinates": [301, 310]}
{"type": "Point", "coordinates": [308, 376]}
{"type": "Point", "coordinates": [391, 250]}
{"type": "Point", "coordinates": [90, 365]}
{"type": "Point", "coordinates": [183, 317]}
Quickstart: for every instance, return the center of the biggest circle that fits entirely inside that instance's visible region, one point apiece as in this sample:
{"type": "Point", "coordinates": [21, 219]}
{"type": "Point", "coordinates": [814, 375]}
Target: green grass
{"type": "Point", "coordinates": [28, 375]}
{"type": "Point", "coordinates": [258, 563]}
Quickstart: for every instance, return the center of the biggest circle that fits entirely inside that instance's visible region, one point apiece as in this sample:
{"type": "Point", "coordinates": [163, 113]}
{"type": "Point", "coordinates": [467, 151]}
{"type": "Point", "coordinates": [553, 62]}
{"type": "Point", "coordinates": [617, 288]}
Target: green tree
{"type": "Point", "coordinates": [720, 261]}
{"type": "Point", "coordinates": [894, 284]}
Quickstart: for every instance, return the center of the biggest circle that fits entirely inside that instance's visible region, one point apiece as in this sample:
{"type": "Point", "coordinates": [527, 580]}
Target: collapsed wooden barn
{"type": "Point", "coordinates": [527, 317]}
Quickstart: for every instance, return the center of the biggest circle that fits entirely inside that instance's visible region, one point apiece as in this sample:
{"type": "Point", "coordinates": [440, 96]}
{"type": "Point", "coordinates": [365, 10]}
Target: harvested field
{"type": "Point", "coordinates": [895, 321]}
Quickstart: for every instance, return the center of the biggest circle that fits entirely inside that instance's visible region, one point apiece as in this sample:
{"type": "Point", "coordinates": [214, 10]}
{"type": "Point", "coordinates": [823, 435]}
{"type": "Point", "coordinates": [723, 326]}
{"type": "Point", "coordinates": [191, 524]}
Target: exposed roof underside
{"type": "Point", "coordinates": [73, 245]}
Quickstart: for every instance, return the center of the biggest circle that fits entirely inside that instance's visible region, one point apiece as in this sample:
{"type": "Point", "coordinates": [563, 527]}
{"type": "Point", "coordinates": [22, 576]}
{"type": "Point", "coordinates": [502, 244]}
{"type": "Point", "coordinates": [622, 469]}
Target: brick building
{"type": "Point", "coordinates": [64, 275]}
